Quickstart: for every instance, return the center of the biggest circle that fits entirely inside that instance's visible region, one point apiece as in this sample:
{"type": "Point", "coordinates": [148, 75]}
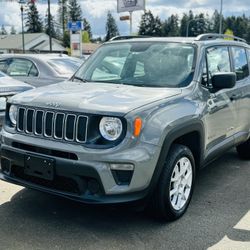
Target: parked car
{"type": "Point", "coordinates": [8, 88]}
{"type": "Point", "coordinates": [136, 122]}
{"type": "Point", "coordinates": [39, 69]}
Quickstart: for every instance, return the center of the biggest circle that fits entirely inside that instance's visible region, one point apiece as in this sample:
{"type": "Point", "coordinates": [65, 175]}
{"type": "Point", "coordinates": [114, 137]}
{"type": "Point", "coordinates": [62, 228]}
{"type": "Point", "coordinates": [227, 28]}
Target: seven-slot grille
{"type": "Point", "coordinates": [52, 124]}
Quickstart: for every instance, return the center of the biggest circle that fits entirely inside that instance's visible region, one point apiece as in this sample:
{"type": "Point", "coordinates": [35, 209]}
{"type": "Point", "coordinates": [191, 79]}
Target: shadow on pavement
{"type": "Point", "coordinates": [34, 220]}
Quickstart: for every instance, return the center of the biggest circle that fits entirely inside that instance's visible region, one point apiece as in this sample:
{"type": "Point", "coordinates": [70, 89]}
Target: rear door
{"type": "Point", "coordinates": [242, 93]}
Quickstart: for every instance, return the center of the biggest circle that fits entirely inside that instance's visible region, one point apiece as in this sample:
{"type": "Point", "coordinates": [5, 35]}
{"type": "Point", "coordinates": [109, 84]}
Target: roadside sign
{"type": "Point", "coordinates": [75, 26]}
{"type": "Point", "coordinates": [124, 18]}
{"type": "Point", "coordinates": [130, 5]}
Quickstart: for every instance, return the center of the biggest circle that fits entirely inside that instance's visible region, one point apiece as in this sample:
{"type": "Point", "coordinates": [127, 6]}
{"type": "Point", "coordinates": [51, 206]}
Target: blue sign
{"type": "Point", "coordinates": [75, 26]}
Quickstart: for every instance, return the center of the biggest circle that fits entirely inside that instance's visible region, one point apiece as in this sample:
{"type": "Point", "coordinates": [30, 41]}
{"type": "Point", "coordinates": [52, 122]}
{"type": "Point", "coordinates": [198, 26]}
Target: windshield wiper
{"type": "Point", "coordinates": [79, 78]}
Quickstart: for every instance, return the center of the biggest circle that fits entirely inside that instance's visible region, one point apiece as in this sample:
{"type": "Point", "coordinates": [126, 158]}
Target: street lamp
{"type": "Point", "coordinates": [49, 24]}
{"type": "Point", "coordinates": [190, 21]}
{"type": "Point", "coordinates": [221, 7]}
{"type": "Point", "coordinates": [21, 8]}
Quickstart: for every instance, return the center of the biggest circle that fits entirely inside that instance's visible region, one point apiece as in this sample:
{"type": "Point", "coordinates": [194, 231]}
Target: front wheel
{"type": "Point", "coordinates": [174, 190]}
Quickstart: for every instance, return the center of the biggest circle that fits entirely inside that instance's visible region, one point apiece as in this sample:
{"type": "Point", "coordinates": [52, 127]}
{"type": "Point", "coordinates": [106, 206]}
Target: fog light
{"type": "Point", "coordinates": [122, 173]}
{"type": "Point", "coordinates": [122, 166]}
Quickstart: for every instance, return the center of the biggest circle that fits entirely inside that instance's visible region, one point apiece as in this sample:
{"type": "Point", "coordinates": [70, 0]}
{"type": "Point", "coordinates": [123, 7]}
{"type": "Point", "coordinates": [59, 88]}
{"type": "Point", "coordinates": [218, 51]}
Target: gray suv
{"type": "Point", "coordinates": [135, 122]}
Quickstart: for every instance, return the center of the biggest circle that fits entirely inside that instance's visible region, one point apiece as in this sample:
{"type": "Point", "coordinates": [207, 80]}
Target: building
{"type": "Point", "coordinates": [89, 48]}
{"type": "Point", "coordinates": [34, 42]}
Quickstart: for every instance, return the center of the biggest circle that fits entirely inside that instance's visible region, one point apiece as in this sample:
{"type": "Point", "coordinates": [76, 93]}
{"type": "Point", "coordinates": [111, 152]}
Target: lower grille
{"type": "Point", "coordinates": [52, 124]}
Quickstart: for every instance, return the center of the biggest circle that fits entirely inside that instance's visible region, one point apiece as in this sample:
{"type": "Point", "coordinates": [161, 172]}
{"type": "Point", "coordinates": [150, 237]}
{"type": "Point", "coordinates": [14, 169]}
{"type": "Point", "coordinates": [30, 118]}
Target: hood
{"type": "Point", "coordinates": [93, 97]}
{"type": "Point", "coordinates": [8, 84]}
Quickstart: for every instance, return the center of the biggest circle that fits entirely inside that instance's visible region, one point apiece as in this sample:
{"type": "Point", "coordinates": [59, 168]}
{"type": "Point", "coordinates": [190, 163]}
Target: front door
{"type": "Point", "coordinates": [221, 112]}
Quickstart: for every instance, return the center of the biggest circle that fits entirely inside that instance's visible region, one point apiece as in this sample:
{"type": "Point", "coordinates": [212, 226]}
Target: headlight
{"type": "Point", "coordinates": [13, 114]}
{"type": "Point", "coordinates": [2, 103]}
{"type": "Point", "coordinates": [110, 128]}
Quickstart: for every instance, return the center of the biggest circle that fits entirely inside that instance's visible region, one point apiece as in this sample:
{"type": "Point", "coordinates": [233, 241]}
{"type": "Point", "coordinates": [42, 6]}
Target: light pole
{"type": "Point", "coordinates": [221, 8]}
{"type": "Point", "coordinates": [49, 24]}
{"type": "Point", "coordinates": [21, 8]}
{"type": "Point", "coordinates": [190, 21]}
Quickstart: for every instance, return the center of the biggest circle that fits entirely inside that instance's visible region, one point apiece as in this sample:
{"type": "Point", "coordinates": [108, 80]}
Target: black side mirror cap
{"type": "Point", "coordinates": [224, 80]}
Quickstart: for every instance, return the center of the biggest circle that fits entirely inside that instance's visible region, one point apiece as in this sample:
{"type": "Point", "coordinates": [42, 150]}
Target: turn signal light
{"type": "Point", "coordinates": [137, 126]}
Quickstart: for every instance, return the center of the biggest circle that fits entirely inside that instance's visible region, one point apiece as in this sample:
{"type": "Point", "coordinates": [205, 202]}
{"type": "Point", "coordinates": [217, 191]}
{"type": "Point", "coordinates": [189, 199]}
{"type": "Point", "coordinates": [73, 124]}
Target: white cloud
{"type": "Point", "coordinates": [96, 10]}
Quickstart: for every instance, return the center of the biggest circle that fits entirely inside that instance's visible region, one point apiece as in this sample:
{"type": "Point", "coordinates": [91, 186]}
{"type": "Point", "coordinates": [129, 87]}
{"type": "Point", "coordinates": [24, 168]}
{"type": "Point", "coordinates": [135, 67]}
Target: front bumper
{"type": "Point", "coordinates": [74, 178]}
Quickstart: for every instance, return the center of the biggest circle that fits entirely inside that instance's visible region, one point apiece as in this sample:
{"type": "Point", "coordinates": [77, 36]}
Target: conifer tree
{"type": "Point", "coordinates": [3, 30]}
{"type": "Point", "coordinates": [33, 21]}
{"type": "Point", "coordinates": [111, 27]}
{"type": "Point", "coordinates": [149, 25]}
{"type": "Point", "coordinates": [74, 11]}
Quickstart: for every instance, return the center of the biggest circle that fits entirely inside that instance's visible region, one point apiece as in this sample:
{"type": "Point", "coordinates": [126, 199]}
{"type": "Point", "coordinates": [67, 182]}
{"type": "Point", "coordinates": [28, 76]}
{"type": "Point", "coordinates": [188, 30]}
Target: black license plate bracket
{"type": "Point", "coordinates": [41, 167]}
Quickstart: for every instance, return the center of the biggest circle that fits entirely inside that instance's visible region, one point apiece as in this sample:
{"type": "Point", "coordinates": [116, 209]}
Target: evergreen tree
{"type": "Point", "coordinates": [52, 30]}
{"type": "Point", "coordinates": [66, 39]}
{"type": "Point", "coordinates": [74, 11]}
{"type": "Point", "coordinates": [13, 30]}
{"type": "Point", "coordinates": [216, 22]}
{"type": "Point", "coordinates": [87, 27]}
{"type": "Point", "coordinates": [63, 13]}
{"type": "Point", "coordinates": [3, 30]}
{"type": "Point", "coordinates": [200, 25]}
{"type": "Point", "coordinates": [170, 27]}
{"type": "Point", "coordinates": [111, 27]}
{"type": "Point", "coordinates": [33, 21]}
{"type": "Point", "coordinates": [150, 26]}
{"type": "Point", "coordinates": [184, 24]}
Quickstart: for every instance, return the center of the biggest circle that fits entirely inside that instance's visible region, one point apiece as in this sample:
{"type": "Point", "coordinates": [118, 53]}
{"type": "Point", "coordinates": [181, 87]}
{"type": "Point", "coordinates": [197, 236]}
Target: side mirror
{"type": "Point", "coordinates": [224, 80]}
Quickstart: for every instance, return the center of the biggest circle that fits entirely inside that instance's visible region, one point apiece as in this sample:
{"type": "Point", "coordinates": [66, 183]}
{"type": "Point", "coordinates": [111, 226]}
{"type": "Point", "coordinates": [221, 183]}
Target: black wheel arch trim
{"type": "Point", "coordinates": [177, 132]}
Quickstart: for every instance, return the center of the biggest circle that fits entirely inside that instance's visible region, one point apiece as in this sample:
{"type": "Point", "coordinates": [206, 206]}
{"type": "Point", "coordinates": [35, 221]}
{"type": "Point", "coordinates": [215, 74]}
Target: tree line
{"type": "Point", "coordinates": [194, 25]}
{"type": "Point", "coordinates": [150, 25]}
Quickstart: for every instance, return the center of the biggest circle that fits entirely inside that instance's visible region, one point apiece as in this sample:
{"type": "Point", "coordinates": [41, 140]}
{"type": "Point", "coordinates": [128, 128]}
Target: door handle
{"type": "Point", "coordinates": [235, 97]}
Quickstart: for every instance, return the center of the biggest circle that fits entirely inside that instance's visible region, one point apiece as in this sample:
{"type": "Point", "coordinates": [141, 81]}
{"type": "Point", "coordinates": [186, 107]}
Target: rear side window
{"type": "Point", "coordinates": [240, 63]}
{"type": "Point", "coordinates": [22, 67]}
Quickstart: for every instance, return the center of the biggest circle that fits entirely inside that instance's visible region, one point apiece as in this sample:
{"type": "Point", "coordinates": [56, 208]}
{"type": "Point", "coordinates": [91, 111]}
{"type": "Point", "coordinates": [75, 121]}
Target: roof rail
{"type": "Point", "coordinates": [116, 38]}
{"type": "Point", "coordinates": [213, 36]}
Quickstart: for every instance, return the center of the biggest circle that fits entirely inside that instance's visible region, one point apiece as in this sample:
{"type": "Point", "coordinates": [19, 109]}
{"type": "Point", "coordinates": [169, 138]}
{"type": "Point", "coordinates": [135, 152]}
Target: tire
{"type": "Point", "coordinates": [244, 150]}
{"type": "Point", "coordinates": [166, 204]}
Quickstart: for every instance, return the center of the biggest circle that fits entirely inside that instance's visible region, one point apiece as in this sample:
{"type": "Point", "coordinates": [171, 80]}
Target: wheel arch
{"type": "Point", "coordinates": [190, 135]}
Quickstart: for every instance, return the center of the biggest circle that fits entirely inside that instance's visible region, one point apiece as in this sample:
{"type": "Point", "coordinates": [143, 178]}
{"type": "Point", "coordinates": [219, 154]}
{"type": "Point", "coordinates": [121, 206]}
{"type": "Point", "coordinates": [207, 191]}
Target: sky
{"type": "Point", "coordinates": [96, 11]}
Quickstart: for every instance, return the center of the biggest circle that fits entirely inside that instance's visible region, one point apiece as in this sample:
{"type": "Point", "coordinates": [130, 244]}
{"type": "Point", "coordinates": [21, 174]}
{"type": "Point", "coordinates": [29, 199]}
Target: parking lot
{"type": "Point", "coordinates": [218, 217]}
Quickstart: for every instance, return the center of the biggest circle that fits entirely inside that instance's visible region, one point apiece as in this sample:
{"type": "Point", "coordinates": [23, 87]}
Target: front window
{"type": "Point", "coordinates": [147, 64]}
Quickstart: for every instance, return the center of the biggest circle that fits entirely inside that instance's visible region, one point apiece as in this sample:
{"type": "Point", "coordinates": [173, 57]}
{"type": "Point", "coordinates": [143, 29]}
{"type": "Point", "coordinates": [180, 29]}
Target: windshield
{"type": "Point", "coordinates": [65, 66]}
{"type": "Point", "coordinates": [147, 64]}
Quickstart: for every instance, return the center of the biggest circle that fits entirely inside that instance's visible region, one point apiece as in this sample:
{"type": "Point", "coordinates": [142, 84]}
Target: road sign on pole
{"type": "Point", "coordinates": [124, 18]}
{"type": "Point", "coordinates": [130, 5]}
{"type": "Point", "coordinates": [75, 29]}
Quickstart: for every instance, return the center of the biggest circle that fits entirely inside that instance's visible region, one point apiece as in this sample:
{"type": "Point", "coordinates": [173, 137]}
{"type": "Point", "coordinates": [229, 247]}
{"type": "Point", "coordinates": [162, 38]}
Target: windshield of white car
{"type": "Point", "coordinates": [65, 66]}
{"type": "Point", "coordinates": [143, 64]}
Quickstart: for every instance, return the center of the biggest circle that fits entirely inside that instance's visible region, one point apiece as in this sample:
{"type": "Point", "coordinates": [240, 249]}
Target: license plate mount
{"type": "Point", "coordinates": [41, 167]}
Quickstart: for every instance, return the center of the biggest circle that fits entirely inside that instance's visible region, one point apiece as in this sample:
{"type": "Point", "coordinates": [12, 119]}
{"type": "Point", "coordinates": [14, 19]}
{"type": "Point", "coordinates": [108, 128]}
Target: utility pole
{"type": "Point", "coordinates": [221, 8]}
{"type": "Point", "coordinates": [131, 22]}
{"type": "Point", "coordinates": [21, 8]}
{"type": "Point", "coordinates": [49, 24]}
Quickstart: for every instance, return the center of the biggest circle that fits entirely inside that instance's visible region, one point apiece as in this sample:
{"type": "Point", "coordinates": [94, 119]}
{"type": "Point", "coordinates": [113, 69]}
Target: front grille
{"type": "Point", "coordinates": [52, 124]}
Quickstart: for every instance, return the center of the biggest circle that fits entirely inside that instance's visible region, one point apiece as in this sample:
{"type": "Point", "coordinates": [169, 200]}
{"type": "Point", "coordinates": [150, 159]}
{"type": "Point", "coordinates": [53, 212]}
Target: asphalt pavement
{"type": "Point", "coordinates": [218, 217]}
